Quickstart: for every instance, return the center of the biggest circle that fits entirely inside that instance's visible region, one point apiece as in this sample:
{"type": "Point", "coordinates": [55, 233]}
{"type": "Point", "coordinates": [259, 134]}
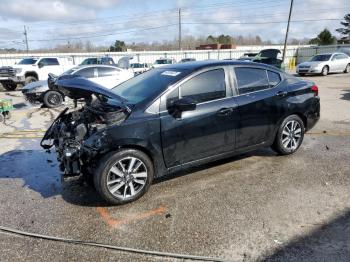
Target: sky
{"type": "Point", "coordinates": [52, 22]}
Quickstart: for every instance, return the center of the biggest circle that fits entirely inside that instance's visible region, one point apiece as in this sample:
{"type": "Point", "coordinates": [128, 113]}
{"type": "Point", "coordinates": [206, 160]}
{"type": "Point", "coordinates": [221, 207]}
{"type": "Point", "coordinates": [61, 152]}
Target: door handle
{"type": "Point", "coordinates": [225, 111]}
{"type": "Point", "coordinates": [281, 93]}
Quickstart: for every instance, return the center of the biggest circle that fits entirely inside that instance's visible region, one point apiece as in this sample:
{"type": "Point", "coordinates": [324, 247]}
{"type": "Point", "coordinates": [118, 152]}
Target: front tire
{"type": "Point", "coordinates": [52, 99]}
{"type": "Point", "coordinates": [30, 79]}
{"type": "Point", "coordinates": [289, 136]}
{"type": "Point", "coordinates": [325, 71]}
{"type": "Point", "coordinates": [347, 69]}
{"type": "Point", "coordinates": [123, 176]}
{"type": "Point", "coordinates": [10, 87]}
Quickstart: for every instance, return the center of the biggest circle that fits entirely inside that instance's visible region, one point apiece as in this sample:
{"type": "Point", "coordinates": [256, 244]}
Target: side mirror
{"type": "Point", "coordinates": [40, 65]}
{"type": "Point", "coordinates": [176, 107]}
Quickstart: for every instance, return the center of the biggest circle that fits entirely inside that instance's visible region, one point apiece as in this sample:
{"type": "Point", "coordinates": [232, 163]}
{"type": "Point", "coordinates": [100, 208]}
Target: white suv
{"type": "Point", "coordinates": [33, 69]}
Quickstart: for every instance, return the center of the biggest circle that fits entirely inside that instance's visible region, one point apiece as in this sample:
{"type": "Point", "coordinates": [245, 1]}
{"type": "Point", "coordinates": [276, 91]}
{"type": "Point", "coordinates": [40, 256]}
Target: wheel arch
{"type": "Point", "coordinates": [31, 73]}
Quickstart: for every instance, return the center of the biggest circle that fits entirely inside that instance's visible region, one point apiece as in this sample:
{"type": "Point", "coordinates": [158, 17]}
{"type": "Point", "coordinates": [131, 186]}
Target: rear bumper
{"type": "Point", "coordinates": [314, 115]}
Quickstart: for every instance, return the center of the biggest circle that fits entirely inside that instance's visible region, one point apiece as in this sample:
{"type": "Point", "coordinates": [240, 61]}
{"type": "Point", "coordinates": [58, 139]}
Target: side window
{"type": "Point", "coordinates": [172, 96]}
{"type": "Point", "coordinates": [86, 72]}
{"type": "Point", "coordinates": [204, 87]}
{"type": "Point", "coordinates": [251, 79]}
{"type": "Point", "coordinates": [274, 78]}
{"type": "Point", "coordinates": [106, 71]}
{"type": "Point", "coordinates": [342, 56]}
{"type": "Point", "coordinates": [49, 61]}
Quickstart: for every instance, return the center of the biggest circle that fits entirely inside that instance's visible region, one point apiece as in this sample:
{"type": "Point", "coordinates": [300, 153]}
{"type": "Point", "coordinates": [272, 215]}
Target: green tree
{"type": "Point", "coordinates": [323, 38]}
{"type": "Point", "coordinates": [119, 46]}
{"type": "Point", "coordinates": [345, 30]}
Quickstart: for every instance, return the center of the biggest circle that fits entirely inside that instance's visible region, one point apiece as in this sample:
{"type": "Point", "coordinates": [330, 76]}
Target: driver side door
{"type": "Point", "coordinates": [207, 130]}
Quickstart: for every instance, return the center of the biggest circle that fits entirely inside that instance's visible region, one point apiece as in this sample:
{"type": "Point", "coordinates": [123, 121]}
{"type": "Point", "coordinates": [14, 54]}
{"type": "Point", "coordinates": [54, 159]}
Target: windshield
{"type": "Point", "coordinates": [321, 58]}
{"type": "Point", "coordinates": [28, 61]}
{"type": "Point", "coordinates": [148, 84]}
{"type": "Point", "coordinates": [89, 61]}
{"type": "Point", "coordinates": [161, 62]}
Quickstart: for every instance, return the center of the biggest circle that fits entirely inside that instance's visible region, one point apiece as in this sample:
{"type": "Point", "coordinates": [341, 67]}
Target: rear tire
{"type": "Point", "coordinates": [347, 69]}
{"type": "Point", "coordinates": [289, 136]}
{"type": "Point", "coordinates": [52, 99]}
{"type": "Point", "coordinates": [123, 176]}
{"type": "Point", "coordinates": [325, 71]}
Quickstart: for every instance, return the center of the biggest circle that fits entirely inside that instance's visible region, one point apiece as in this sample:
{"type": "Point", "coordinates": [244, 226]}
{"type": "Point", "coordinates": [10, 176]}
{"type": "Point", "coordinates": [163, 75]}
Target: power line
{"type": "Point", "coordinates": [259, 23]}
{"type": "Point", "coordinates": [102, 35]}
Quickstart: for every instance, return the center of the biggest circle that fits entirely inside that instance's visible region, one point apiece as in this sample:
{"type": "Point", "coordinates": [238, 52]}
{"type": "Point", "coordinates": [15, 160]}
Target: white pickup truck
{"type": "Point", "coordinates": [33, 69]}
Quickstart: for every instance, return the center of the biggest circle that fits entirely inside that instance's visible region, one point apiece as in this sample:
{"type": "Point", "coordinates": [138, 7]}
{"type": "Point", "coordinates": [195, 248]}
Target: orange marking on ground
{"type": "Point", "coordinates": [114, 223]}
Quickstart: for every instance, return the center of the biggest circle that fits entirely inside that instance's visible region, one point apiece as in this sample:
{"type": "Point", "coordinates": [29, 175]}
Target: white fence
{"type": "Point", "coordinates": [151, 56]}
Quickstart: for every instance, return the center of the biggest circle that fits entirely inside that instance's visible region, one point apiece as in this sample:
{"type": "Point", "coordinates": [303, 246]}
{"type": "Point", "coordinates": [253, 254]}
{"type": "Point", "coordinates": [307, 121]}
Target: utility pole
{"type": "Point", "coordinates": [26, 38]}
{"type": "Point", "coordinates": [179, 28]}
{"type": "Point", "coordinates": [286, 38]}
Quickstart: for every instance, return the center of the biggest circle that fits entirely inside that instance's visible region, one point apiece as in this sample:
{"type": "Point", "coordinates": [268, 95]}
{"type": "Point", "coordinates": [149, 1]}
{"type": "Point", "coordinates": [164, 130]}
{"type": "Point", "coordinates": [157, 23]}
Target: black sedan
{"type": "Point", "coordinates": [175, 117]}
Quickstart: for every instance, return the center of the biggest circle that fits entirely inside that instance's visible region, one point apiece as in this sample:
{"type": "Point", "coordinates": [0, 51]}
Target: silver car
{"type": "Point", "coordinates": [325, 63]}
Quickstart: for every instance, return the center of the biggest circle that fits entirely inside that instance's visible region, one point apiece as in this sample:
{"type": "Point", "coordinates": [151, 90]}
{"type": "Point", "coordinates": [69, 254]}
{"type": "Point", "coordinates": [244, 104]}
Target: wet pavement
{"type": "Point", "coordinates": [253, 207]}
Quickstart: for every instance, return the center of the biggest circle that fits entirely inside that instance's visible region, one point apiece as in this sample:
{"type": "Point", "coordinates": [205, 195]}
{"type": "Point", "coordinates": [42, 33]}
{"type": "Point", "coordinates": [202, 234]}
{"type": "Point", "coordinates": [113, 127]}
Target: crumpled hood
{"type": "Point", "coordinates": [77, 87]}
{"type": "Point", "coordinates": [36, 84]}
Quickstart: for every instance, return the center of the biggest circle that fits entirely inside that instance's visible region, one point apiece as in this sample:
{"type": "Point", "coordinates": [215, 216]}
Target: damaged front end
{"type": "Point", "coordinates": [81, 135]}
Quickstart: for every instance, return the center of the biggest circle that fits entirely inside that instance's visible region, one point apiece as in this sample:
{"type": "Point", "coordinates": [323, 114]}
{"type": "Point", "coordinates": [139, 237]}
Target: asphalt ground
{"type": "Point", "coordinates": [254, 207]}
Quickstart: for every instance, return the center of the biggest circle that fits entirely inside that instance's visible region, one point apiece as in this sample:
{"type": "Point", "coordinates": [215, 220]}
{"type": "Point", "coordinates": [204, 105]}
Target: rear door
{"type": "Point", "coordinates": [261, 103]}
{"type": "Point", "coordinates": [206, 131]}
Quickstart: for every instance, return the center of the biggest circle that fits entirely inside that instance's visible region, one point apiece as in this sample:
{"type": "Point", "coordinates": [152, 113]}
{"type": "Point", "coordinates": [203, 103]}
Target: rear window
{"type": "Point", "coordinates": [274, 78]}
{"type": "Point", "coordinates": [251, 79]}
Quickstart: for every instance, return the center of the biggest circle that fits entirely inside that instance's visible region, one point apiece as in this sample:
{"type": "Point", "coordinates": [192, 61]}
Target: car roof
{"type": "Point", "coordinates": [95, 65]}
{"type": "Point", "coordinates": [197, 65]}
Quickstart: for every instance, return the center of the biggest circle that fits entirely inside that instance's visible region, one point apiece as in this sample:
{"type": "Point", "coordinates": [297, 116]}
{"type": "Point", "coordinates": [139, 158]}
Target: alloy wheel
{"type": "Point", "coordinates": [291, 135]}
{"type": "Point", "coordinates": [127, 177]}
{"type": "Point", "coordinates": [54, 99]}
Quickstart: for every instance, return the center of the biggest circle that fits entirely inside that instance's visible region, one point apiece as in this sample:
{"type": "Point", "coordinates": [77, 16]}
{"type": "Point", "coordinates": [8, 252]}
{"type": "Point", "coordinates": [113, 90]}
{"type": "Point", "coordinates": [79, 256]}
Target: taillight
{"type": "Point", "coordinates": [314, 89]}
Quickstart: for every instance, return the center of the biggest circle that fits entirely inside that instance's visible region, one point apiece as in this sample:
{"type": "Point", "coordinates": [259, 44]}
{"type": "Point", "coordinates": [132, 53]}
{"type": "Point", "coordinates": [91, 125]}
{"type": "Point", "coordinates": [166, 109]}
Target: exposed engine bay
{"type": "Point", "coordinates": [79, 135]}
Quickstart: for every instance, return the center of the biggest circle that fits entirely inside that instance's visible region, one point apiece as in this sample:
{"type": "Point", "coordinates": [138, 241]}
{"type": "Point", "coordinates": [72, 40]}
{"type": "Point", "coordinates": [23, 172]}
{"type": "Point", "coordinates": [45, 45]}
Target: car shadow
{"type": "Point", "coordinates": [266, 152]}
{"type": "Point", "coordinates": [326, 242]}
{"type": "Point", "coordinates": [39, 172]}
{"type": "Point", "coordinates": [346, 95]}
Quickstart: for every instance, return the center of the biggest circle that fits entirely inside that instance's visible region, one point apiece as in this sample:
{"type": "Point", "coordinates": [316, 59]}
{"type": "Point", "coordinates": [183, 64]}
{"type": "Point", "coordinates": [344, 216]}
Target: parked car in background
{"type": "Point", "coordinates": [98, 61]}
{"type": "Point", "coordinates": [139, 68]}
{"type": "Point", "coordinates": [175, 117]}
{"type": "Point", "coordinates": [266, 56]}
{"type": "Point", "coordinates": [104, 75]}
{"type": "Point", "coordinates": [345, 50]}
{"type": "Point", "coordinates": [33, 69]}
{"type": "Point", "coordinates": [325, 63]}
{"type": "Point", "coordinates": [163, 61]}
{"type": "Point", "coordinates": [184, 60]}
